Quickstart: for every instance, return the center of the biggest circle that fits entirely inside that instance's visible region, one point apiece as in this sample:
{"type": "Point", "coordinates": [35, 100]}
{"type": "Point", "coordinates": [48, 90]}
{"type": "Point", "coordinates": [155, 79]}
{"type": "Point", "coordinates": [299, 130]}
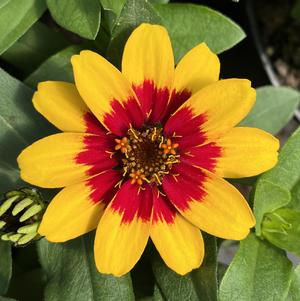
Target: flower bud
{"type": "Point", "coordinates": [21, 212]}
{"type": "Point", "coordinates": [281, 228]}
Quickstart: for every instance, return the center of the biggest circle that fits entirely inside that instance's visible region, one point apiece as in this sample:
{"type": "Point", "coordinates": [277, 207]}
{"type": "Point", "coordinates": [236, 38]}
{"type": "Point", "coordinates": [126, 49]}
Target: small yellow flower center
{"type": "Point", "coordinates": [147, 155]}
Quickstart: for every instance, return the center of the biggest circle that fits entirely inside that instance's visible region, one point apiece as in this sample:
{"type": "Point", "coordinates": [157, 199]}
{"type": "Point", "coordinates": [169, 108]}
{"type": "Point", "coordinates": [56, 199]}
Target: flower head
{"type": "Point", "coordinates": [144, 151]}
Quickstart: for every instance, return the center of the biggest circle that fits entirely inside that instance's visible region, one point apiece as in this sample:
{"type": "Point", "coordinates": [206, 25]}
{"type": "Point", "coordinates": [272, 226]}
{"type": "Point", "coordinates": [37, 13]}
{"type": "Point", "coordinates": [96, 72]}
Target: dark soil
{"type": "Point", "coordinates": [280, 34]}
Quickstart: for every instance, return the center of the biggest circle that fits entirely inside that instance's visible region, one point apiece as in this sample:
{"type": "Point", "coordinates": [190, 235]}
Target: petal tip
{"type": "Point", "coordinates": [150, 26]}
{"type": "Point", "coordinates": [204, 46]}
{"type": "Point", "coordinates": [107, 268]}
{"type": "Point", "coordinates": [41, 231]}
{"type": "Point", "coordinates": [189, 268]}
{"type": "Point", "coordinates": [253, 223]}
{"type": "Point", "coordinates": [145, 28]}
{"type": "Point", "coordinates": [276, 144]}
{"type": "Point", "coordinates": [86, 52]}
{"type": "Point", "coordinates": [40, 86]}
{"type": "Point", "coordinates": [20, 158]}
{"type": "Point", "coordinates": [252, 91]}
{"type": "Point", "coordinates": [74, 58]}
{"type": "Point", "coordinates": [36, 98]}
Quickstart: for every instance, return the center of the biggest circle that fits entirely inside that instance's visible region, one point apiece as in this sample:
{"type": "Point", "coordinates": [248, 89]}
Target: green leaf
{"type": "Point", "coordinates": [116, 6]}
{"type": "Point", "coordinates": [205, 278]}
{"type": "Point", "coordinates": [72, 274]}
{"type": "Point", "coordinates": [281, 227]}
{"type": "Point", "coordinates": [273, 109]}
{"type": "Point", "coordinates": [173, 286]}
{"type": "Point", "coordinates": [113, 5]}
{"type": "Point", "coordinates": [200, 284]}
{"type": "Point", "coordinates": [267, 198]}
{"type": "Point", "coordinates": [33, 48]}
{"type": "Point", "coordinates": [159, 1]}
{"type": "Point", "coordinates": [294, 290]}
{"type": "Point", "coordinates": [103, 39]}
{"type": "Point", "coordinates": [16, 17]}
{"type": "Point", "coordinates": [273, 189]}
{"type": "Point", "coordinates": [79, 16]}
{"type": "Point", "coordinates": [133, 14]}
{"type": "Point", "coordinates": [190, 24]}
{"type": "Point", "coordinates": [9, 174]}
{"type": "Point", "coordinates": [295, 202]}
{"type": "Point", "coordinates": [286, 173]}
{"type": "Point", "coordinates": [20, 125]}
{"type": "Point", "coordinates": [5, 266]}
{"type": "Point", "coordinates": [112, 10]}
{"type": "Point", "coordinates": [257, 272]}
{"type": "Point", "coordinates": [157, 295]}
{"type": "Point", "coordinates": [57, 67]}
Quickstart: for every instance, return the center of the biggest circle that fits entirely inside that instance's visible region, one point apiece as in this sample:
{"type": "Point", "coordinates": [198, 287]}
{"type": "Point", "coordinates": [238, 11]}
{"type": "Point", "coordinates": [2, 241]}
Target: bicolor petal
{"type": "Point", "coordinates": [106, 92]}
{"type": "Point", "coordinates": [63, 159]}
{"type": "Point", "coordinates": [197, 69]}
{"type": "Point", "coordinates": [148, 64]}
{"type": "Point", "coordinates": [212, 111]}
{"type": "Point", "coordinates": [77, 209]}
{"type": "Point", "coordinates": [123, 230]}
{"type": "Point", "coordinates": [241, 152]}
{"type": "Point", "coordinates": [179, 243]}
{"type": "Point", "coordinates": [204, 156]}
{"type": "Point", "coordinates": [62, 105]}
{"type": "Point", "coordinates": [209, 202]}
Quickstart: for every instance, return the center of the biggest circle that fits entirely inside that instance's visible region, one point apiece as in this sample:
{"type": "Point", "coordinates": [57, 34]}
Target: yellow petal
{"type": "Point", "coordinates": [148, 55]}
{"type": "Point", "coordinates": [197, 69]}
{"type": "Point", "coordinates": [224, 212]}
{"type": "Point", "coordinates": [77, 209]}
{"type": "Point", "coordinates": [61, 104]}
{"type": "Point", "coordinates": [123, 230]}
{"type": "Point", "coordinates": [209, 202]}
{"type": "Point", "coordinates": [246, 152]}
{"type": "Point", "coordinates": [70, 214]}
{"type": "Point", "coordinates": [213, 110]}
{"type": "Point", "coordinates": [106, 92]}
{"type": "Point", "coordinates": [148, 64]}
{"type": "Point", "coordinates": [63, 159]}
{"type": "Point", "coordinates": [179, 243]}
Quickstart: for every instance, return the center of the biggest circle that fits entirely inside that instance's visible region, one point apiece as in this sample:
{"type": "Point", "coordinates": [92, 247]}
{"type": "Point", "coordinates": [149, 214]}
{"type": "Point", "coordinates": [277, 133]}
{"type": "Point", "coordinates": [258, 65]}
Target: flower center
{"type": "Point", "coordinates": [147, 155]}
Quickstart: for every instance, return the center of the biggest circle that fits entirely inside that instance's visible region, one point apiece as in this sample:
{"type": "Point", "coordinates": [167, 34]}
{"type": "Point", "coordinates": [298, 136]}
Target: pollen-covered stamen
{"type": "Point", "coordinates": [148, 155]}
{"type": "Point", "coordinates": [122, 144]}
{"type": "Point", "coordinates": [137, 177]}
{"type": "Point", "coordinates": [169, 147]}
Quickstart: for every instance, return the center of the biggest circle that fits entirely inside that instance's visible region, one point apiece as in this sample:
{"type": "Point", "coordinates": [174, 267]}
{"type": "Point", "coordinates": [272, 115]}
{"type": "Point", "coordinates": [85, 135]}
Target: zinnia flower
{"type": "Point", "coordinates": [144, 151]}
